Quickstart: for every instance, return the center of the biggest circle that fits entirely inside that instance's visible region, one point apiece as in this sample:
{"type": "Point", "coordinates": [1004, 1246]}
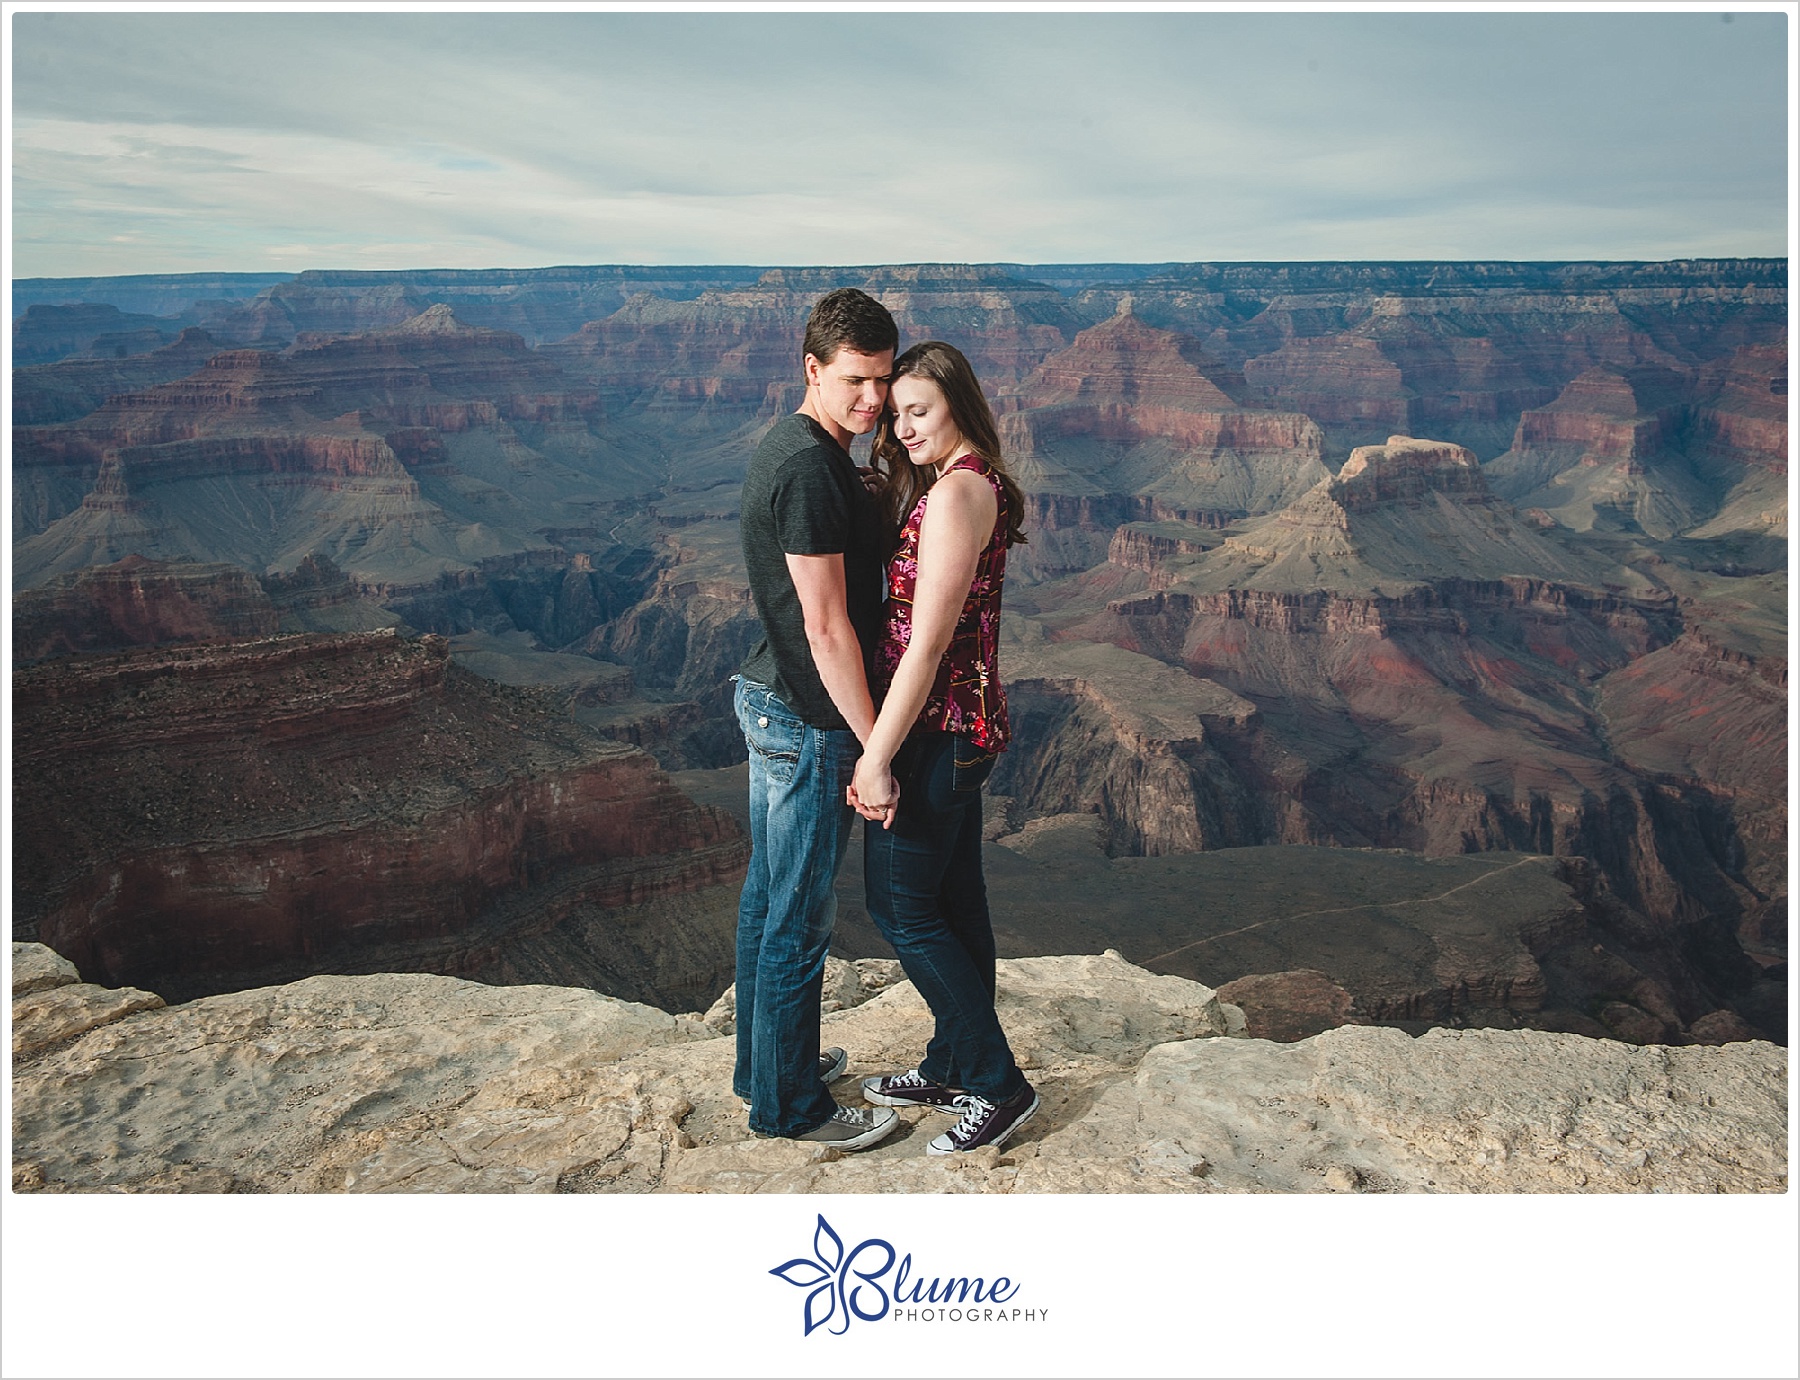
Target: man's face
{"type": "Point", "coordinates": [852, 389]}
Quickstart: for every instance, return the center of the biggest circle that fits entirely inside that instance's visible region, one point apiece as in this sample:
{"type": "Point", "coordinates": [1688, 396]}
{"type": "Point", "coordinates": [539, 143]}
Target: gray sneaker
{"type": "Point", "coordinates": [832, 1063]}
{"type": "Point", "coordinates": [854, 1128]}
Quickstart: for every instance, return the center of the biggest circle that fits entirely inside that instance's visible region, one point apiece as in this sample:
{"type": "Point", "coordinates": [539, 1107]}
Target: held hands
{"type": "Point", "coordinates": [873, 792]}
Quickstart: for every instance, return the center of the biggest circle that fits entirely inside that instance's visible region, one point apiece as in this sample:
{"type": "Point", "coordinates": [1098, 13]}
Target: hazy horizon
{"type": "Point", "coordinates": [921, 263]}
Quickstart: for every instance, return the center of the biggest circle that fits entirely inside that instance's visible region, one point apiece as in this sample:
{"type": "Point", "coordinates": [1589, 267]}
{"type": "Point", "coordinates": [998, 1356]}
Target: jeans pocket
{"type": "Point", "coordinates": [775, 737]}
{"type": "Point", "coordinates": [970, 765]}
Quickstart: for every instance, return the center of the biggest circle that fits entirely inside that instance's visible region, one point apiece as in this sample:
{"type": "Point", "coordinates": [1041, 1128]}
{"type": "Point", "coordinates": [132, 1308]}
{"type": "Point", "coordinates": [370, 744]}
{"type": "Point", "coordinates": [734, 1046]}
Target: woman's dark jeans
{"type": "Point", "coordinates": [923, 883]}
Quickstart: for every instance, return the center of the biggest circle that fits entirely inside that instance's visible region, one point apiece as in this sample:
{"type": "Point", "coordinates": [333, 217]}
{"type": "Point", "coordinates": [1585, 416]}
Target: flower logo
{"type": "Point", "coordinates": [827, 1275]}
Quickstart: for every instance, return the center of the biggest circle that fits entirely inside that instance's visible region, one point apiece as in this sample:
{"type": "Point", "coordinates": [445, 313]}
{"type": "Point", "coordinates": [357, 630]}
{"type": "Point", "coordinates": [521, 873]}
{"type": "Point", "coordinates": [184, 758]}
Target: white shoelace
{"type": "Point", "coordinates": [976, 1111]}
{"type": "Point", "coordinates": [910, 1079]}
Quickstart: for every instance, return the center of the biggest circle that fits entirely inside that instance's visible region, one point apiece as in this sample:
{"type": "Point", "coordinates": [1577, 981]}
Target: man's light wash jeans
{"type": "Point", "coordinates": [799, 827]}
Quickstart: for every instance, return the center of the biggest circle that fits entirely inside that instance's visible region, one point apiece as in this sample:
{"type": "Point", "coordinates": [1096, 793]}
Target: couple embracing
{"type": "Point", "coordinates": [888, 708]}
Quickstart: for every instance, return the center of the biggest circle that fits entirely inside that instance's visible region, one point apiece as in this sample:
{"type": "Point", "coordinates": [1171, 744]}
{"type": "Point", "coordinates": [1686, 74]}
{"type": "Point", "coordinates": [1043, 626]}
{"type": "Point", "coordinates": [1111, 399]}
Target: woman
{"type": "Point", "coordinates": [941, 724]}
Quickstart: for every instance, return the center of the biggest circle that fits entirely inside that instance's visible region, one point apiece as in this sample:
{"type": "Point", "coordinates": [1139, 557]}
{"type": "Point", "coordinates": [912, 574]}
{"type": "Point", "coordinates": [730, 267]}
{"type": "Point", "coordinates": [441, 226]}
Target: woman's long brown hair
{"type": "Point", "coordinates": [902, 481]}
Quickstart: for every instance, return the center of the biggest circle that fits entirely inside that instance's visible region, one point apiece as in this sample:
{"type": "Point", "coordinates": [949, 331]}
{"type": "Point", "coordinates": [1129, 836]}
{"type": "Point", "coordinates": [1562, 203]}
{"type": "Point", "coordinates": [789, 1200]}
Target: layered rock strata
{"type": "Point", "coordinates": [61, 392]}
{"type": "Point", "coordinates": [537, 304]}
{"type": "Point", "coordinates": [1417, 688]}
{"type": "Point", "coordinates": [1608, 451]}
{"type": "Point", "coordinates": [1124, 411]}
{"type": "Point", "coordinates": [139, 603]}
{"type": "Point", "coordinates": [45, 333]}
{"type": "Point", "coordinates": [196, 817]}
{"type": "Point", "coordinates": [428, 1084]}
{"type": "Point", "coordinates": [1457, 350]}
{"type": "Point", "coordinates": [401, 454]}
{"type": "Point", "coordinates": [1745, 418]}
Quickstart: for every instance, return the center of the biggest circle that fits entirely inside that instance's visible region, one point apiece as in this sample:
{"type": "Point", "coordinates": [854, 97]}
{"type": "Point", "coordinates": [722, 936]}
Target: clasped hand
{"type": "Point", "coordinates": [873, 792]}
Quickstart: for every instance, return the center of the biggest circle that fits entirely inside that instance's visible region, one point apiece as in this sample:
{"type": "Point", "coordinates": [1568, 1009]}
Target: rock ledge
{"type": "Point", "coordinates": [418, 1083]}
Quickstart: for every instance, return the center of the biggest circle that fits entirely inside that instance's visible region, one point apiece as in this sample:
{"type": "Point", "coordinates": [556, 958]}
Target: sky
{"type": "Point", "coordinates": [269, 141]}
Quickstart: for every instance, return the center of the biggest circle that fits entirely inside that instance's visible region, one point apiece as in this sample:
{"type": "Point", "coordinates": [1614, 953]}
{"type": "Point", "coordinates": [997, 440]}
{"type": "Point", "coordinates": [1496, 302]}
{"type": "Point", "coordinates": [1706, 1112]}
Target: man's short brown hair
{"type": "Point", "coordinates": [849, 317]}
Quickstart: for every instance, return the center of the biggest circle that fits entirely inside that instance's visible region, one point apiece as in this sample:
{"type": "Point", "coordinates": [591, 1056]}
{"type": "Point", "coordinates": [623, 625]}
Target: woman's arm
{"type": "Point", "coordinates": [959, 519]}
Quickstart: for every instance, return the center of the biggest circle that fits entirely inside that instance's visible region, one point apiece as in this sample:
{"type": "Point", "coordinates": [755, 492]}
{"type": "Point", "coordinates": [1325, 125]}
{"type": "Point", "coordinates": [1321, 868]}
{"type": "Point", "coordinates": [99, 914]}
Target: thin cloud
{"type": "Point", "coordinates": [162, 142]}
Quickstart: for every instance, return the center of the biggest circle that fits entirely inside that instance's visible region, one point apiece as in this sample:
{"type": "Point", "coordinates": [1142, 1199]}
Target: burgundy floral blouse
{"type": "Point", "coordinates": [967, 696]}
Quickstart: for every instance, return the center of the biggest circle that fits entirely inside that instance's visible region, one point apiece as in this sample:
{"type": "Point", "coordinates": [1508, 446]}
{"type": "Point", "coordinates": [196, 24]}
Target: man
{"type": "Point", "coordinates": [813, 547]}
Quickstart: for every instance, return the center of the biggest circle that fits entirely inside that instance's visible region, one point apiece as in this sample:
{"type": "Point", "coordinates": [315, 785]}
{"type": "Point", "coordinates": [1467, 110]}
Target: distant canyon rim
{"type": "Point", "coordinates": [1396, 644]}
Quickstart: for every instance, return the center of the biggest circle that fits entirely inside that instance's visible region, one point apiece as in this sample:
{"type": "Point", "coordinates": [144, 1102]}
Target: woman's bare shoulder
{"type": "Point", "coordinates": [964, 487]}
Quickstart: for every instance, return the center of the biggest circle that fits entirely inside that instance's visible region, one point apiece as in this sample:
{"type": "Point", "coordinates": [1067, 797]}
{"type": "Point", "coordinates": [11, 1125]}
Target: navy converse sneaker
{"type": "Point", "coordinates": [984, 1122]}
{"type": "Point", "coordinates": [911, 1089]}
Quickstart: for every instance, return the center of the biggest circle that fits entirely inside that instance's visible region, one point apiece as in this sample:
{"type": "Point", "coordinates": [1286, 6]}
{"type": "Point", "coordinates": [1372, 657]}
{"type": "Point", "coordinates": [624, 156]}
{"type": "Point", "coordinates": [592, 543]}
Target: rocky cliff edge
{"type": "Point", "coordinates": [418, 1083]}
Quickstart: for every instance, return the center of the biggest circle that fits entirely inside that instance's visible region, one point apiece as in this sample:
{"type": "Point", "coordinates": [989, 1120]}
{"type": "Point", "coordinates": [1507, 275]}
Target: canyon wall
{"type": "Point", "coordinates": [1448, 558]}
{"type": "Point", "coordinates": [200, 815]}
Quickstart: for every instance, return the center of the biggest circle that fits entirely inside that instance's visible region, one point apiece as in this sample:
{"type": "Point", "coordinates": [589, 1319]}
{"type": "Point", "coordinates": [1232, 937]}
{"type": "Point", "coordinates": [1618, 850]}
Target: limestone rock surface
{"type": "Point", "coordinates": [418, 1083]}
{"type": "Point", "coordinates": [36, 967]}
{"type": "Point", "coordinates": [393, 1082]}
{"type": "Point", "coordinates": [847, 983]}
{"type": "Point", "coordinates": [51, 1015]}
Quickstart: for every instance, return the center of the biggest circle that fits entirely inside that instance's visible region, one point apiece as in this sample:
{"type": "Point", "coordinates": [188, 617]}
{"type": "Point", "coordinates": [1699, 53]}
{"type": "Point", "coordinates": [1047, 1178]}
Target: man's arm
{"type": "Point", "coordinates": [819, 581]}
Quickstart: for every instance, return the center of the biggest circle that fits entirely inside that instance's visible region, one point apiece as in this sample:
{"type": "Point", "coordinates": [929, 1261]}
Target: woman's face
{"type": "Point", "coordinates": [922, 422]}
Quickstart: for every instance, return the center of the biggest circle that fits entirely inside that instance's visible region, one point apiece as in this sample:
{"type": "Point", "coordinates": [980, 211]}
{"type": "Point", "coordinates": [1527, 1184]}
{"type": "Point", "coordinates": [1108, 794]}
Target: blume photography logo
{"type": "Point", "coordinates": [845, 1284]}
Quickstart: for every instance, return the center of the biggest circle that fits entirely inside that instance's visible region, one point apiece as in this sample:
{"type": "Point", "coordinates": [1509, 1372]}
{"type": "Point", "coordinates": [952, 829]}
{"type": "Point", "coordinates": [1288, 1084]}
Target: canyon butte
{"type": "Point", "coordinates": [1396, 645]}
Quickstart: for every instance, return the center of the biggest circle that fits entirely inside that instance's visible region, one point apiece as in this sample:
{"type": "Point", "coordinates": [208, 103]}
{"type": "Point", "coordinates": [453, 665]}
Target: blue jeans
{"type": "Point", "coordinates": [799, 828]}
{"type": "Point", "coordinates": [926, 894]}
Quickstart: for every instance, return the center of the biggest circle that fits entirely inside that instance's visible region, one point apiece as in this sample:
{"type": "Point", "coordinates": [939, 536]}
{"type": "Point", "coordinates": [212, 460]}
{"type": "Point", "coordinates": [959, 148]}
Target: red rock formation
{"type": "Point", "coordinates": [1464, 364]}
{"type": "Point", "coordinates": [1124, 362]}
{"type": "Point", "coordinates": [61, 392]}
{"type": "Point", "coordinates": [724, 348]}
{"type": "Point", "coordinates": [1745, 417]}
{"type": "Point", "coordinates": [1006, 325]}
{"type": "Point", "coordinates": [232, 809]}
{"type": "Point", "coordinates": [1710, 720]}
{"type": "Point", "coordinates": [1082, 748]}
{"type": "Point", "coordinates": [1605, 415]}
{"type": "Point", "coordinates": [139, 603]}
{"type": "Point", "coordinates": [1455, 718]}
{"type": "Point", "coordinates": [1141, 547]}
{"type": "Point", "coordinates": [1104, 512]}
{"type": "Point", "coordinates": [1276, 433]}
{"type": "Point", "coordinates": [1609, 449]}
{"type": "Point", "coordinates": [301, 439]}
{"type": "Point", "coordinates": [1288, 1006]}
{"type": "Point", "coordinates": [736, 350]}
{"type": "Point", "coordinates": [1124, 411]}
{"type": "Point", "coordinates": [1339, 381]}
{"type": "Point", "coordinates": [1404, 471]}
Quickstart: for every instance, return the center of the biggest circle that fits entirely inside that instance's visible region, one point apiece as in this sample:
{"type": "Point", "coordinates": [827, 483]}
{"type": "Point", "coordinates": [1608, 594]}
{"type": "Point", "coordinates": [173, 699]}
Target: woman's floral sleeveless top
{"type": "Point", "coordinates": [967, 696]}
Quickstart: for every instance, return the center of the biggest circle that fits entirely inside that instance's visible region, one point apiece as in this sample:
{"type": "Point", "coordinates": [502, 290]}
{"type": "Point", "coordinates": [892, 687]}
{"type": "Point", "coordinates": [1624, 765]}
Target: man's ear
{"type": "Point", "coordinates": [810, 363]}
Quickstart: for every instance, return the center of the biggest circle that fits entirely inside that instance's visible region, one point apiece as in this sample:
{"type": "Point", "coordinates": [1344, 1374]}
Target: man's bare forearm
{"type": "Point", "coordinates": [819, 583]}
{"type": "Point", "coordinates": [838, 655]}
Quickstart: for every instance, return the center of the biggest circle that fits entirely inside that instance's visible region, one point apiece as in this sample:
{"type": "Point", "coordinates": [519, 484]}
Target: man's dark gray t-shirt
{"type": "Point", "coordinates": [802, 497]}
